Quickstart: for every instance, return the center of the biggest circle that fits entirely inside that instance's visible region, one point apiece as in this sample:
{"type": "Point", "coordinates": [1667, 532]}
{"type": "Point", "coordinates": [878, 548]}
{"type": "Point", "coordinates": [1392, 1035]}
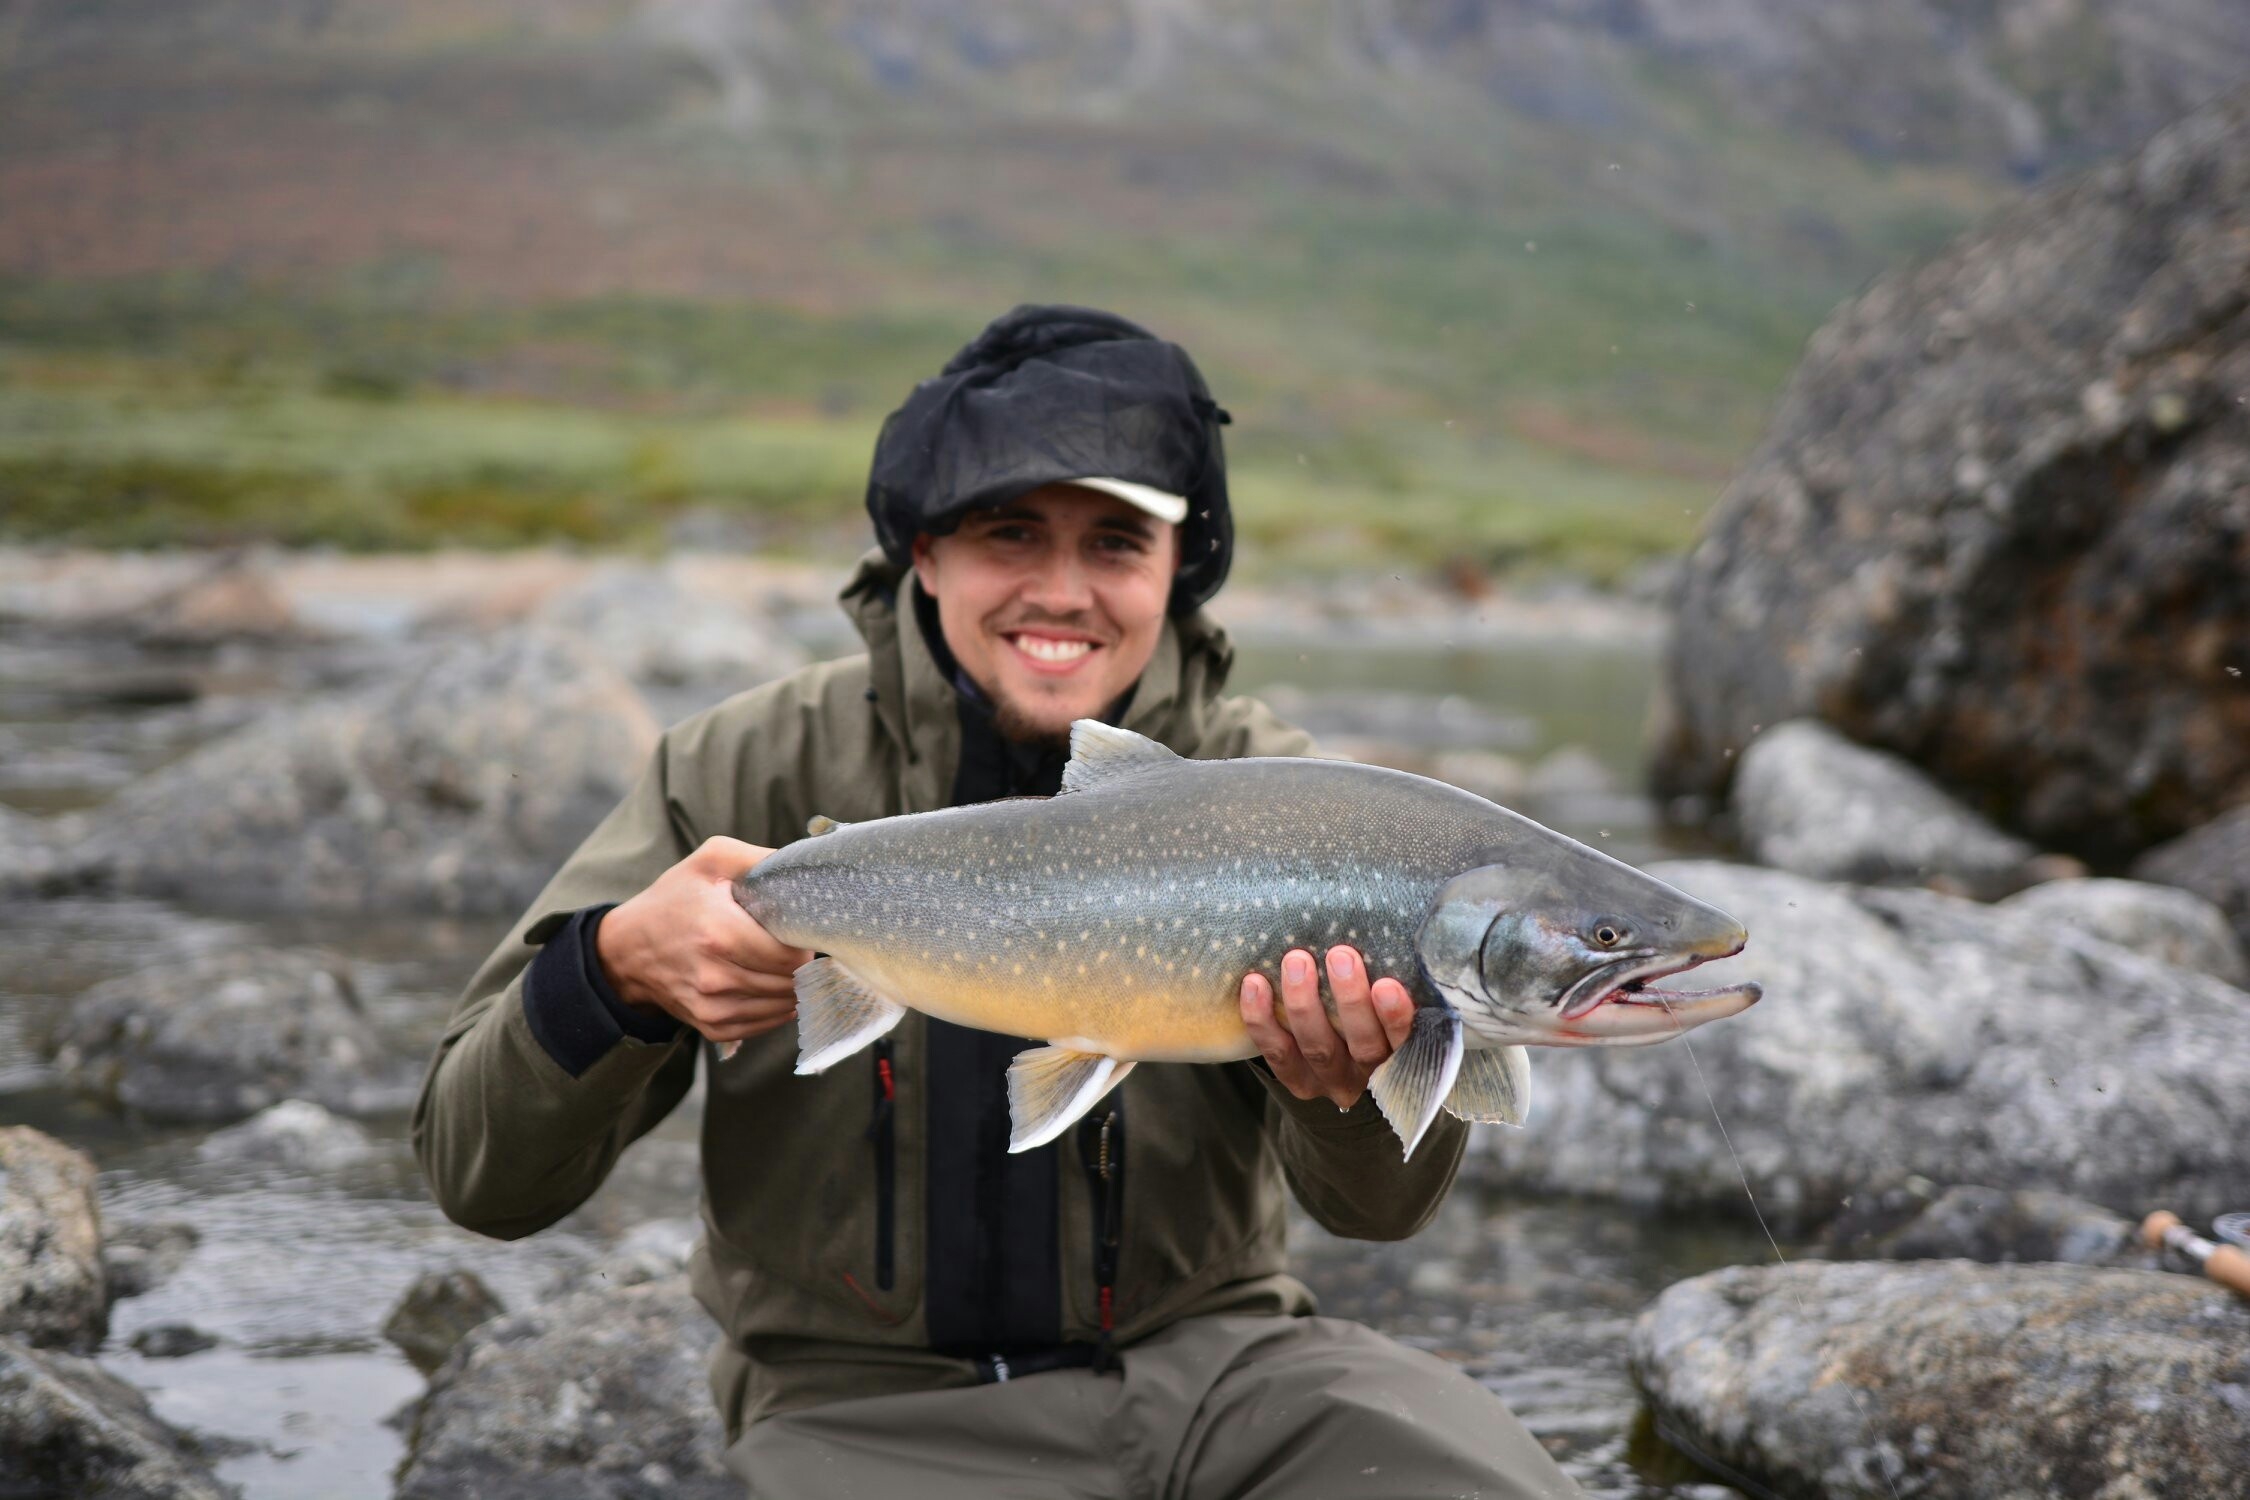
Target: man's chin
{"type": "Point", "coordinates": [1031, 727]}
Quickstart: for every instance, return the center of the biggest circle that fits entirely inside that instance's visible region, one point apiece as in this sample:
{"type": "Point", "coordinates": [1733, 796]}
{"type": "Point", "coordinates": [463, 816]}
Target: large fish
{"type": "Point", "coordinates": [1117, 921]}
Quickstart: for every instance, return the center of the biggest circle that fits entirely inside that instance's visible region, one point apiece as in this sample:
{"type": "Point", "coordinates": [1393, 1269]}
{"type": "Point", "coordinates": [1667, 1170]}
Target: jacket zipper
{"type": "Point", "coordinates": [883, 1133]}
{"type": "Point", "coordinates": [1101, 1145]}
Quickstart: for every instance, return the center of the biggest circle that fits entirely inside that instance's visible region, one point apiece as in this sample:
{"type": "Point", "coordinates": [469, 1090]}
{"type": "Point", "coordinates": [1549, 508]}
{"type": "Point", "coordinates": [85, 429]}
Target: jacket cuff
{"type": "Point", "coordinates": [1320, 1115]}
{"type": "Point", "coordinates": [574, 1013]}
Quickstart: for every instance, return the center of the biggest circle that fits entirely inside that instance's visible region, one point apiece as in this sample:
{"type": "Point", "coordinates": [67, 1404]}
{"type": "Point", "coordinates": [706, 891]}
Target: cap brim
{"type": "Point", "coordinates": [1163, 506]}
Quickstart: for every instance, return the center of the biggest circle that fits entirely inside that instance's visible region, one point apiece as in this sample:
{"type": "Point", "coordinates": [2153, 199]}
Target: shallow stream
{"type": "Point", "coordinates": [294, 1275]}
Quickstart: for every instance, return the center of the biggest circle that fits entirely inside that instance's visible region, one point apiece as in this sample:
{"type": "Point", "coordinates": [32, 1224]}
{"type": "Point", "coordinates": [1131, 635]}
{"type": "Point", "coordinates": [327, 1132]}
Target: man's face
{"type": "Point", "coordinates": [1052, 604]}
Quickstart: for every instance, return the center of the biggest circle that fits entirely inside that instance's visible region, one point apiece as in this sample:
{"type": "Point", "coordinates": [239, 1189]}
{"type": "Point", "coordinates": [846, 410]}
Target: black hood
{"type": "Point", "coordinates": [1048, 394]}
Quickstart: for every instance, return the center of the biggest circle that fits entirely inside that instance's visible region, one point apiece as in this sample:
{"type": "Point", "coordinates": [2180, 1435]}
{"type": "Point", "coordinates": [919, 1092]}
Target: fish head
{"type": "Point", "coordinates": [1565, 952]}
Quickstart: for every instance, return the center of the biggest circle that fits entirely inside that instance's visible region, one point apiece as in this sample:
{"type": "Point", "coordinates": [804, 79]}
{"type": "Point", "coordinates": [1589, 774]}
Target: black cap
{"type": "Point", "coordinates": [1048, 394]}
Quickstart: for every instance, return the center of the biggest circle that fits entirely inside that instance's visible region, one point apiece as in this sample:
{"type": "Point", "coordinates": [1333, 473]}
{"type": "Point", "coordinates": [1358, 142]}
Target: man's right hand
{"type": "Point", "coordinates": [685, 947]}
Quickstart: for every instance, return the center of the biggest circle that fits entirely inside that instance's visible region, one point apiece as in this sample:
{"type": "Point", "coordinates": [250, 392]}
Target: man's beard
{"type": "Point", "coordinates": [1018, 726]}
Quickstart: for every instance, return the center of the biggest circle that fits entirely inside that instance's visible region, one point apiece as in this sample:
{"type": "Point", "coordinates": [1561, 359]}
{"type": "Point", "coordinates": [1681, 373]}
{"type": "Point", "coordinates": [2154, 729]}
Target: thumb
{"type": "Point", "coordinates": [723, 858]}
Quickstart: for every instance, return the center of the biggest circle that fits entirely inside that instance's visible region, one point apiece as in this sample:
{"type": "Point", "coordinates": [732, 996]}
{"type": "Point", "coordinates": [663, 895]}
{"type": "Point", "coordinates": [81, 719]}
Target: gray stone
{"type": "Point", "coordinates": [1952, 1381]}
{"type": "Point", "coordinates": [1916, 1220]}
{"type": "Point", "coordinates": [437, 1312]}
{"type": "Point", "coordinates": [2213, 861]}
{"type": "Point", "coordinates": [70, 1428]}
{"type": "Point", "coordinates": [1905, 1031]}
{"type": "Point", "coordinates": [2171, 925]}
{"type": "Point", "coordinates": [2001, 522]}
{"type": "Point", "coordinates": [139, 1255]}
{"type": "Point", "coordinates": [233, 597]}
{"type": "Point", "coordinates": [219, 1036]}
{"type": "Point", "coordinates": [296, 1134]}
{"type": "Point", "coordinates": [456, 783]}
{"type": "Point", "coordinates": [1810, 801]}
{"type": "Point", "coordinates": [684, 649]}
{"type": "Point", "coordinates": [172, 1341]}
{"type": "Point", "coordinates": [50, 1244]}
{"type": "Point", "coordinates": [599, 1394]}
{"type": "Point", "coordinates": [32, 860]}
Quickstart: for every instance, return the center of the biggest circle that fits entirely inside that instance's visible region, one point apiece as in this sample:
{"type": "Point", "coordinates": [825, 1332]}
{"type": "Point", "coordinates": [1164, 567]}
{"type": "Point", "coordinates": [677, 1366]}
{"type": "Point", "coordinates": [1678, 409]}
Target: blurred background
{"type": "Point", "coordinates": [406, 409]}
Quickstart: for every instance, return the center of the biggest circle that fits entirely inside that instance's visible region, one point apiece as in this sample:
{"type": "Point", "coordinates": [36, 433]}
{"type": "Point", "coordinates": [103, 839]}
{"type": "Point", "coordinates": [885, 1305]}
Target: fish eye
{"type": "Point", "coordinates": [1609, 934]}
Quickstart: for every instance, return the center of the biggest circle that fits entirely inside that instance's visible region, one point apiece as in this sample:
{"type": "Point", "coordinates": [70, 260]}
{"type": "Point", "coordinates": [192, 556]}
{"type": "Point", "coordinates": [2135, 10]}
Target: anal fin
{"type": "Point", "coordinates": [837, 1014]}
{"type": "Point", "coordinates": [1050, 1087]}
{"type": "Point", "coordinates": [1413, 1082]}
{"type": "Point", "coordinates": [1494, 1087]}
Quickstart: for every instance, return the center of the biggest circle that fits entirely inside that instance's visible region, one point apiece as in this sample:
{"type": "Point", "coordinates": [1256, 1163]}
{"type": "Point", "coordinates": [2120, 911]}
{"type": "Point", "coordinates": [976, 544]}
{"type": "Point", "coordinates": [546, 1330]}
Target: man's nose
{"type": "Point", "coordinates": [1059, 584]}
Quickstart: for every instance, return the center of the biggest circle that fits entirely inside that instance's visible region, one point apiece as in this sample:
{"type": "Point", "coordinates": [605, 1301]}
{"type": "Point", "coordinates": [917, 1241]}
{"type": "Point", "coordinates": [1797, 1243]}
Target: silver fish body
{"type": "Point", "coordinates": [1117, 922]}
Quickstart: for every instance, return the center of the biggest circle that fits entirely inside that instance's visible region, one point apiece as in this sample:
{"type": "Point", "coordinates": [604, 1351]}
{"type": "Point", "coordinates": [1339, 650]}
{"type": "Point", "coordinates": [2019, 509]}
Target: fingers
{"type": "Point", "coordinates": [1273, 1041]}
{"type": "Point", "coordinates": [723, 858]}
{"type": "Point", "coordinates": [1394, 1007]}
{"type": "Point", "coordinates": [1356, 1019]}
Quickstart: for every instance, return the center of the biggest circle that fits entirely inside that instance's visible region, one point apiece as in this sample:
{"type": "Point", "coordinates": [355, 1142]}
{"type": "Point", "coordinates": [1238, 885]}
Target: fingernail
{"type": "Point", "coordinates": [1297, 968]}
{"type": "Point", "coordinates": [1341, 966]}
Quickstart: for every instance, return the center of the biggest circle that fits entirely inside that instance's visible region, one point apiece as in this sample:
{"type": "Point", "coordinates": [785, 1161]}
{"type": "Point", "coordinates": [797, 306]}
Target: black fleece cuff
{"type": "Point", "coordinates": [568, 1002]}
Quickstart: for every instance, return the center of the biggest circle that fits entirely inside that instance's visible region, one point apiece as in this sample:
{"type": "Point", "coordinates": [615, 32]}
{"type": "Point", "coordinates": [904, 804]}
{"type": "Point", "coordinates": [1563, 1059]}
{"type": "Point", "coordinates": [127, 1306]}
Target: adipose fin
{"type": "Point", "coordinates": [1050, 1087]}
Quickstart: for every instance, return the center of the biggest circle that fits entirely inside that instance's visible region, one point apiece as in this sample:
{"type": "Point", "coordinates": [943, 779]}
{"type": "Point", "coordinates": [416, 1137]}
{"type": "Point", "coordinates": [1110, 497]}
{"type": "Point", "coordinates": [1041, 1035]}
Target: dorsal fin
{"type": "Point", "coordinates": [1101, 753]}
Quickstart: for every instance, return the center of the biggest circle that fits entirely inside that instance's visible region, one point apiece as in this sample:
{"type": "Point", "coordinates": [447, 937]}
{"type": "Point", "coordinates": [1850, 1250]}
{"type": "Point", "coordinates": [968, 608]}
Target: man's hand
{"type": "Point", "coordinates": [1314, 1058]}
{"type": "Point", "coordinates": [685, 947]}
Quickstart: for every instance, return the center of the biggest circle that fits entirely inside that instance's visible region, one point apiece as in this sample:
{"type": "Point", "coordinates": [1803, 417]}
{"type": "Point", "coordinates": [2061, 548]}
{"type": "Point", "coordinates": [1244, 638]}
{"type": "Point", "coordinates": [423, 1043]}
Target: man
{"type": "Point", "coordinates": [908, 1309]}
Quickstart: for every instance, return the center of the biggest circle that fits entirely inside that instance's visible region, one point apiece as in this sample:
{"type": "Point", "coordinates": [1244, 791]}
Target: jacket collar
{"type": "Point", "coordinates": [915, 701]}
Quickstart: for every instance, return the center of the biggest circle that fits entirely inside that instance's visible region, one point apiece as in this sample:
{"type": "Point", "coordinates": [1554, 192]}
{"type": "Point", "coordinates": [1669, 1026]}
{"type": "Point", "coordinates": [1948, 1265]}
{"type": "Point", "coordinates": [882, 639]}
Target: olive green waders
{"type": "Point", "coordinates": [1218, 1408]}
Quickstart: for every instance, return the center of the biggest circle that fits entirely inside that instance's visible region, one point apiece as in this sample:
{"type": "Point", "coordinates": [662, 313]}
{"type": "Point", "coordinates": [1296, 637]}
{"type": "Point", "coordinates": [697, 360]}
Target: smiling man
{"type": "Point", "coordinates": [905, 1307]}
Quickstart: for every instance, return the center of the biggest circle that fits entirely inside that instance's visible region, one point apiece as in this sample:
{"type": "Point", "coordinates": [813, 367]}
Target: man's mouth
{"type": "Point", "coordinates": [1050, 653]}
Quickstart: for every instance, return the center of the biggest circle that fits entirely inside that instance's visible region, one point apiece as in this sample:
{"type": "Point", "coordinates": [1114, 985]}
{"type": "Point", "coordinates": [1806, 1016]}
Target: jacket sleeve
{"type": "Point", "coordinates": [1345, 1168]}
{"type": "Point", "coordinates": [524, 1109]}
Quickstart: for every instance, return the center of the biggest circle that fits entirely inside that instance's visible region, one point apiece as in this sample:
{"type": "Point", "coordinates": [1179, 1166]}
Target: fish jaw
{"type": "Point", "coordinates": [1619, 1007]}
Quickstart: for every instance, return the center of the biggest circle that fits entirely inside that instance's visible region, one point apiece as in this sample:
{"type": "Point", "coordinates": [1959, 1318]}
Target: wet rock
{"type": "Point", "coordinates": [1810, 801]}
{"type": "Point", "coordinates": [437, 1312]}
{"type": "Point", "coordinates": [2168, 924]}
{"type": "Point", "coordinates": [50, 1244]}
{"type": "Point", "coordinates": [172, 1341]}
{"type": "Point", "coordinates": [218, 1036]}
{"type": "Point", "coordinates": [684, 649]}
{"type": "Point", "coordinates": [456, 783]}
{"type": "Point", "coordinates": [1905, 1031]}
{"type": "Point", "coordinates": [2213, 861]}
{"type": "Point", "coordinates": [296, 1134]}
{"type": "Point", "coordinates": [1951, 1381]}
{"type": "Point", "coordinates": [600, 1394]}
{"type": "Point", "coordinates": [139, 1255]}
{"type": "Point", "coordinates": [35, 855]}
{"type": "Point", "coordinates": [1916, 1220]}
{"type": "Point", "coordinates": [235, 597]}
{"type": "Point", "coordinates": [69, 1427]}
{"type": "Point", "coordinates": [2001, 521]}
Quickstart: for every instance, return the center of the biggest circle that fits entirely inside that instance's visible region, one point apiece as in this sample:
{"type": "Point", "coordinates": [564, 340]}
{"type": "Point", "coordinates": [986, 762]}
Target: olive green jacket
{"type": "Point", "coordinates": [511, 1142]}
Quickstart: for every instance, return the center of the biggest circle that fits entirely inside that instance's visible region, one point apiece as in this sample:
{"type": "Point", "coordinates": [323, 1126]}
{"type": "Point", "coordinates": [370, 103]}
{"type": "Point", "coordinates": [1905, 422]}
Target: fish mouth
{"type": "Point", "coordinates": [1618, 1004]}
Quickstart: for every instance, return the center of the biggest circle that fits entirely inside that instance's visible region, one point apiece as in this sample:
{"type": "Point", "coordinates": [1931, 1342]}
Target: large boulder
{"type": "Point", "coordinates": [1947, 1380]}
{"type": "Point", "coordinates": [50, 1244]}
{"type": "Point", "coordinates": [1905, 1031]}
{"type": "Point", "coordinates": [457, 783]}
{"type": "Point", "coordinates": [2001, 523]}
{"type": "Point", "coordinates": [685, 650]}
{"type": "Point", "coordinates": [598, 1395]}
{"type": "Point", "coordinates": [2161, 921]}
{"type": "Point", "coordinates": [295, 1135]}
{"type": "Point", "coordinates": [2213, 861]}
{"type": "Point", "coordinates": [69, 1427]}
{"type": "Point", "coordinates": [1808, 800]}
{"type": "Point", "coordinates": [218, 1036]}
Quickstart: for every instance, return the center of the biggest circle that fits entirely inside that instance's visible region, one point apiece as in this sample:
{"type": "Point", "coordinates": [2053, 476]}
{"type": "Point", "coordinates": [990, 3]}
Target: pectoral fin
{"type": "Point", "coordinates": [1414, 1081]}
{"type": "Point", "coordinates": [1050, 1087]}
{"type": "Point", "coordinates": [1494, 1087]}
{"type": "Point", "coordinates": [837, 1014]}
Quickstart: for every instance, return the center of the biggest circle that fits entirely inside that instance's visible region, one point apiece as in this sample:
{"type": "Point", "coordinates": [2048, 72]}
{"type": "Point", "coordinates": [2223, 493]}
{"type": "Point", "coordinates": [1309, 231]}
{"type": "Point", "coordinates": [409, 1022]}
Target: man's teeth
{"type": "Point", "coordinates": [1047, 650]}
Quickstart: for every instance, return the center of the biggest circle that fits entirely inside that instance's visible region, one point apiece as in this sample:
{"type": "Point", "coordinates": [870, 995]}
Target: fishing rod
{"type": "Point", "coordinates": [2225, 1264]}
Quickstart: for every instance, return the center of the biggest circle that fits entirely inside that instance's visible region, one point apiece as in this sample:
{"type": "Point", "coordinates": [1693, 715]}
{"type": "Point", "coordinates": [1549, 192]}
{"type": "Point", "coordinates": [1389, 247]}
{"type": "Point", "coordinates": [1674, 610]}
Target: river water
{"type": "Point", "coordinates": [295, 1274]}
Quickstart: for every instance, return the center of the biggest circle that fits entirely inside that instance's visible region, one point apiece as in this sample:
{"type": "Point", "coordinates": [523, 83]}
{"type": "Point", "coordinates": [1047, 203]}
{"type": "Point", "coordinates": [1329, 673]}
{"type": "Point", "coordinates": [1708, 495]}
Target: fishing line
{"type": "Point", "coordinates": [1712, 1099]}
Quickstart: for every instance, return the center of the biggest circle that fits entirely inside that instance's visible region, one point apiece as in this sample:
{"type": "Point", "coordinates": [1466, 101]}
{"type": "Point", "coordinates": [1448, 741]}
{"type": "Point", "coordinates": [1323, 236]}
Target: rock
{"type": "Point", "coordinates": [2001, 523]}
{"type": "Point", "coordinates": [1951, 1381]}
{"type": "Point", "coordinates": [600, 1394]}
{"type": "Point", "coordinates": [2213, 862]}
{"type": "Point", "coordinates": [235, 598]}
{"type": "Point", "coordinates": [69, 1427]}
{"type": "Point", "coordinates": [685, 649]}
{"type": "Point", "coordinates": [1915, 1220]}
{"type": "Point", "coordinates": [1905, 1031]}
{"type": "Point", "coordinates": [218, 1036]}
{"type": "Point", "coordinates": [1572, 771]}
{"type": "Point", "coordinates": [2173, 926]}
{"type": "Point", "coordinates": [140, 1255]}
{"type": "Point", "coordinates": [437, 1312]}
{"type": "Point", "coordinates": [1810, 801]}
{"type": "Point", "coordinates": [172, 1341]}
{"type": "Point", "coordinates": [50, 1244]}
{"type": "Point", "coordinates": [32, 859]}
{"type": "Point", "coordinates": [456, 783]}
{"type": "Point", "coordinates": [297, 1134]}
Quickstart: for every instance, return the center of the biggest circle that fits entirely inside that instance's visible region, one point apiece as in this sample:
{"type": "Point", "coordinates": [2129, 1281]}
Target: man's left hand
{"type": "Point", "coordinates": [1316, 1058]}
